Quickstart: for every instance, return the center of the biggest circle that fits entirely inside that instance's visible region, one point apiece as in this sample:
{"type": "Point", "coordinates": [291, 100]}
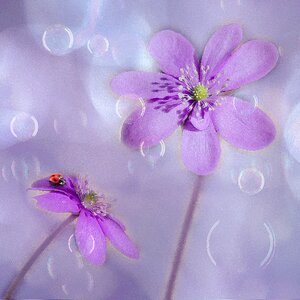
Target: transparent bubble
{"type": "Point", "coordinates": [58, 39]}
{"type": "Point", "coordinates": [69, 284]}
{"type": "Point", "coordinates": [233, 256]}
{"type": "Point", "coordinates": [153, 154]}
{"type": "Point", "coordinates": [98, 45]}
{"type": "Point", "coordinates": [208, 243]}
{"type": "Point", "coordinates": [24, 126]}
{"type": "Point", "coordinates": [251, 181]}
{"type": "Point", "coordinates": [280, 51]}
{"type": "Point", "coordinates": [20, 169]}
{"type": "Point", "coordinates": [125, 106]}
{"type": "Point", "coordinates": [72, 243]}
{"type": "Point", "coordinates": [5, 173]}
{"type": "Point", "coordinates": [70, 271]}
{"type": "Point", "coordinates": [244, 110]}
{"type": "Point", "coordinates": [272, 246]}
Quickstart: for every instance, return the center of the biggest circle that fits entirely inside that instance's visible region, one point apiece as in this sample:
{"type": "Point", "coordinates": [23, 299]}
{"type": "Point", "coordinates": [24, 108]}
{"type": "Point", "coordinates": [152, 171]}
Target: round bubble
{"type": "Point", "coordinates": [232, 254]}
{"type": "Point", "coordinates": [58, 39]}
{"type": "Point", "coordinates": [251, 181]}
{"type": "Point", "coordinates": [244, 110]}
{"type": "Point", "coordinates": [125, 106]}
{"type": "Point", "coordinates": [24, 126]}
{"type": "Point", "coordinates": [98, 45]}
{"type": "Point", "coordinates": [154, 153]}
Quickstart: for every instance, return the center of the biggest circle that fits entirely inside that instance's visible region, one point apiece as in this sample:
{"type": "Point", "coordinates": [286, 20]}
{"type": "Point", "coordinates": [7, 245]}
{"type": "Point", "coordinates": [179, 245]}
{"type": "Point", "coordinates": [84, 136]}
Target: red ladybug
{"type": "Point", "coordinates": [57, 179]}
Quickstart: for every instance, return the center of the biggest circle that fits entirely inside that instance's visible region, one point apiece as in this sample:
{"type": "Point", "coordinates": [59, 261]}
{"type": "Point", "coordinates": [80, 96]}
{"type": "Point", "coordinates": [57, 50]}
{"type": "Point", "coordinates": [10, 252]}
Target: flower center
{"type": "Point", "coordinates": [90, 198]}
{"type": "Point", "coordinates": [199, 92]}
{"type": "Point", "coordinates": [95, 203]}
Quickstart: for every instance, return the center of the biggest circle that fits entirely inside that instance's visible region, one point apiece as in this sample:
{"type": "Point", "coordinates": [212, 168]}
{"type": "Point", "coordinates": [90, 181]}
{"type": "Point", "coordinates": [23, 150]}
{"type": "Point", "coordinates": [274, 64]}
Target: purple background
{"type": "Point", "coordinates": [58, 114]}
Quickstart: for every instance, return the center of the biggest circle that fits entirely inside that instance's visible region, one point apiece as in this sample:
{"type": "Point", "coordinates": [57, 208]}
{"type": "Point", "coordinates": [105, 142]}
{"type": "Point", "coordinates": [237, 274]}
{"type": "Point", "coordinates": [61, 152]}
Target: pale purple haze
{"type": "Point", "coordinates": [244, 241]}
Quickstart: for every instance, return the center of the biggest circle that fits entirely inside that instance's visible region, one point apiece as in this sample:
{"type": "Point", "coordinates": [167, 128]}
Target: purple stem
{"type": "Point", "coordinates": [13, 285]}
{"type": "Point", "coordinates": [182, 240]}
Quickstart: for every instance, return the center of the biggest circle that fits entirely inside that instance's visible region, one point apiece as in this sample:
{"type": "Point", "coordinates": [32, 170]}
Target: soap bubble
{"type": "Point", "coordinates": [251, 181]}
{"type": "Point", "coordinates": [98, 45]}
{"type": "Point", "coordinates": [58, 39]}
{"type": "Point", "coordinates": [24, 126]}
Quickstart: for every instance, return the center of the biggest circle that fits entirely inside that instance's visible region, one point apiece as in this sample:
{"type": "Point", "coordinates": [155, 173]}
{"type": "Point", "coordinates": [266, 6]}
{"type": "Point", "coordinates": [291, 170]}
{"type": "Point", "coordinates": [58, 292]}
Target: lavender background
{"type": "Point", "coordinates": [58, 114]}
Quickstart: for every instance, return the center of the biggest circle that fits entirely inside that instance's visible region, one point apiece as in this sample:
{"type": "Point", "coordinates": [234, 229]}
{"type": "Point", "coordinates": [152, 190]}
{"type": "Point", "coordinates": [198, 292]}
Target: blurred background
{"type": "Point", "coordinates": [58, 114]}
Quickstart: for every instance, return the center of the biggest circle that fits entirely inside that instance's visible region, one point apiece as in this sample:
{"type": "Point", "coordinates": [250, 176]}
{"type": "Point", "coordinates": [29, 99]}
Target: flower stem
{"type": "Point", "coordinates": [14, 284]}
{"type": "Point", "coordinates": [182, 239]}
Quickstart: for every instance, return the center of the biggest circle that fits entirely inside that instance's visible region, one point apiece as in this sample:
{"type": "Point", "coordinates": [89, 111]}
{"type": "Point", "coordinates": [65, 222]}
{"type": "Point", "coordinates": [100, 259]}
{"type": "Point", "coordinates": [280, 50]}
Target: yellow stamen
{"type": "Point", "coordinates": [200, 92]}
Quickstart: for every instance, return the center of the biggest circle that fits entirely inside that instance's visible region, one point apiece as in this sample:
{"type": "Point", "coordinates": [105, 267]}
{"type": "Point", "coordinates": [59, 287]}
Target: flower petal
{"type": "Point", "coordinates": [118, 222]}
{"type": "Point", "coordinates": [45, 185]}
{"type": "Point", "coordinates": [198, 120]}
{"type": "Point", "coordinates": [118, 237]}
{"type": "Point", "coordinates": [172, 51]}
{"type": "Point", "coordinates": [144, 85]}
{"type": "Point", "coordinates": [200, 149]}
{"type": "Point", "coordinates": [57, 202]}
{"type": "Point", "coordinates": [90, 238]}
{"type": "Point", "coordinates": [219, 48]}
{"type": "Point", "coordinates": [250, 62]}
{"type": "Point", "coordinates": [243, 125]}
{"type": "Point", "coordinates": [156, 123]}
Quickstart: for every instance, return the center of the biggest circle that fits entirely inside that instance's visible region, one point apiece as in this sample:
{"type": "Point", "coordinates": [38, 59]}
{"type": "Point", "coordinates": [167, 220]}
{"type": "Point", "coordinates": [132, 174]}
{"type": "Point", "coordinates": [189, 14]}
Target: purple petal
{"type": "Point", "coordinates": [155, 124]}
{"type": "Point", "coordinates": [118, 237]}
{"type": "Point", "coordinates": [243, 125]}
{"type": "Point", "coordinates": [57, 202]}
{"type": "Point", "coordinates": [90, 238]}
{"type": "Point", "coordinates": [250, 62]}
{"type": "Point", "coordinates": [144, 85]}
{"type": "Point", "coordinates": [172, 51]}
{"type": "Point", "coordinates": [198, 120]}
{"type": "Point", "coordinates": [118, 222]}
{"type": "Point", "coordinates": [219, 48]}
{"type": "Point", "coordinates": [45, 185]}
{"type": "Point", "coordinates": [200, 149]}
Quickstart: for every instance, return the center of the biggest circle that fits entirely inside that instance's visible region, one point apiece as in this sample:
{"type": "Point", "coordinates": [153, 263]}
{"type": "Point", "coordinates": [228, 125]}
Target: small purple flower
{"type": "Point", "coordinates": [95, 223]}
{"type": "Point", "coordinates": [196, 95]}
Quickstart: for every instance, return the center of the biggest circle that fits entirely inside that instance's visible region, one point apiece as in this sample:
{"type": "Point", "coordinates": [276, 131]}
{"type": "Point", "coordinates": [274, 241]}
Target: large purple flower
{"type": "Point", "coordinates": [196, 95]}
{"type": "Point", "coordinates": [94, 224]}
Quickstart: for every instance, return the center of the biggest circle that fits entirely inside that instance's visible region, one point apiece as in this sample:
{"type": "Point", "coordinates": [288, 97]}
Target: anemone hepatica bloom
{"type": "Point", "coordinates": [196, 94]}
{"type": "Point", "coordinates": [95, 223]}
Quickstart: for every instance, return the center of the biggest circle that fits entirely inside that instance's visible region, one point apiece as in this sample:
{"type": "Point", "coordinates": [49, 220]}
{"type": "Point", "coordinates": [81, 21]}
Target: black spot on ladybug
{"type": "Point", "coordinates": [57, 179]}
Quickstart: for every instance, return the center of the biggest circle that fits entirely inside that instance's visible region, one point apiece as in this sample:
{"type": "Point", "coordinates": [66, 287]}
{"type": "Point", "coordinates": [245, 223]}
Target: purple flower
{"type": "Point", "coordinates": [94, 224]}
{"type": "Point", "coordinates": [196, 95]}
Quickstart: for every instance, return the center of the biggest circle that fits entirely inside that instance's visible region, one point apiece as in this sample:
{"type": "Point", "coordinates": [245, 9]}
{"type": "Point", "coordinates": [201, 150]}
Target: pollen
{"type": "Point", "coordinates": [199, 92]}
{"type": "Point", "coordinates": [91, 198]}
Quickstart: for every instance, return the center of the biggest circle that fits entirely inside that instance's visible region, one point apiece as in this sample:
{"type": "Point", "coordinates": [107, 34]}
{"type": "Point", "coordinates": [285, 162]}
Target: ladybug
{"type": "Point", "coordinates": [57, 179]}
